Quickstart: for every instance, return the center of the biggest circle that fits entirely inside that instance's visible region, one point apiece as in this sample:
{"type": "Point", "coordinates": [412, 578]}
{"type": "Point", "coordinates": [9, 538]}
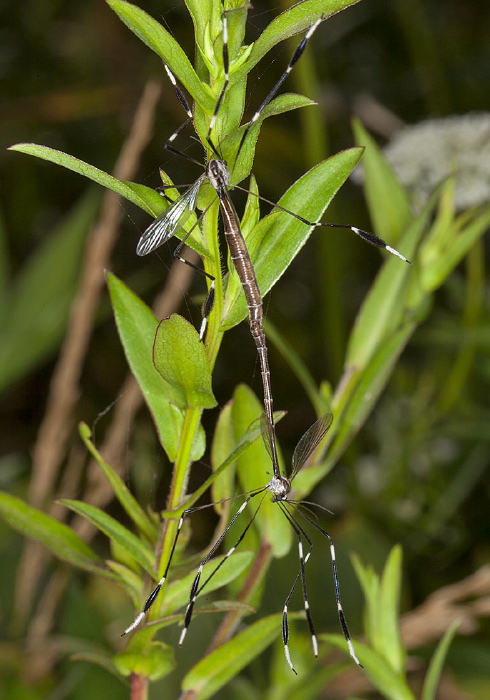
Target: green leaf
{"type": "Point", "coordinates": [121, 491]}
{"type": "Point", "coordinates": [386, 681]}
{"type": "Point", "coordinates": [102, 660]}
{"type": "Point", "coordinates": [164, 45]}
{"type": "Point", "coordinates": [223, 444]}
{"type": "Point", "coordinates": [130, 580]}
{"type": "Point", "coordinates": [253, 433]}
{"type": "Point", "coordinates": [137, 327]}
{"type": "Point", "coordinates": [391, 645]}
{"type": "Point", "coordinates": [60, 539]}
{"type": "Point", "coordinates": [138, 194]}
{"type": "Point", "coordinates": [243, 161]}
{"type": "Point", "coordinates": [352, 408]}
{"type": "Point", "coordinates": [279, 231]}
{"type": "Point", "coordinates": [40, 301]}
{"type": "Point", "coordinates": [298, 367]}
{"type": "Point", "coordinates": [389, 205]}
{"type": "Point", "coordinates": [153, 660]}
{"type": "Point", "coordinates": [177, 592]}
{"type": "Point", "coordinates": [434, 671]}
{"type": "Point", "coordinates": [253, 470]}
{"type": "Point", "coordinates": [144, 197]}
{"type": "Point", "coordinates": [384, 308]}
{"type": "Point", "coordinates": [131, 544]}
{"type": "Point", "coordinates": [180, 358]}
{"type": "Point", "coordinates": [223, 664]}
{"type": "Point", "coordinates": [296, 19]}
{"type": "Point", "coordinates": [438, 259]}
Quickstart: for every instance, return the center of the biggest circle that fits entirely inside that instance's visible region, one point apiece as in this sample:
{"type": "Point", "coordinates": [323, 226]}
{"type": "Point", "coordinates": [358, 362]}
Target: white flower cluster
{"type": "Point", "coordinates": [424, 154]}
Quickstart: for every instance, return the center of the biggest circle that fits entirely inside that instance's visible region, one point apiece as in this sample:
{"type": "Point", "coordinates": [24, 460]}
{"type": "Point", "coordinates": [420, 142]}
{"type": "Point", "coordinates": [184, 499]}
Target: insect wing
{"type": "Point", "coordinates": [267, 434]}
{"type": "Point", "coordinates": [164, 227]}
{"type": "Point", "coordinates": [309, 442]}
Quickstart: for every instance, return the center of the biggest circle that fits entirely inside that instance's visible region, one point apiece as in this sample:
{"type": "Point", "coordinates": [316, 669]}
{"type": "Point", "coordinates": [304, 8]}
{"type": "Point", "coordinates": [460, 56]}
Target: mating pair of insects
{"type": "Point", "coordinates": [279, 486]}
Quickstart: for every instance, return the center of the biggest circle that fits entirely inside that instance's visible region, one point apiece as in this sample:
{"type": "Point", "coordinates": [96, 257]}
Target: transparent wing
{"type": "Point", "coordinates": [267, 436]}
{"type": "Point", "coordinates": [309, 442]}
{"type": "Point", "coordinates": [164, 227]}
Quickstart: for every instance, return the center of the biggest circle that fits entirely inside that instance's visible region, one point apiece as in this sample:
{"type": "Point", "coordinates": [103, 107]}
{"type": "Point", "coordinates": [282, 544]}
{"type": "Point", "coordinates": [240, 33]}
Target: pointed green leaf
{"type": "Point", "coordinates": [223, 664]}
{"type": "Point", "coordinates": [386, 681]}
{"type": "Point", "coordinates": [123, 494]}
{"type": "Point", "coordinates": [143, 197]}
{"type": "Point", "coordinates": [136, 549]}
{"type": "Point", "coordinates": [60, 539]}
{"type": "Point", "coordinates": [137, 326]}
{"type": "Point", "coordinates": [385, 306]}
{"type": "Point", "coordinates": [243, 161]}
{"type": "Point", "coordinates": [223, 445]}
{"type": "Point", "coordinates": [41, 297]}
{"type": "Point", "coordinates": [164, 45]}
{"type": "Point", "coordinates": [296, 19]}
{"type": "Point", "coordinates": [278, 237]}
{"type": "Point", "coordinates": [434, 671]}
{"type": "Point", "coordinates": [253, 470]}
{"type": "Point", "coordinates": [388, 610]}
{"type": "Point", "coordinates": [389, 205]}
{"type": "Point", "coordinates": [180, 359]}
{"type": "Point", "coordinates": [178, 591]}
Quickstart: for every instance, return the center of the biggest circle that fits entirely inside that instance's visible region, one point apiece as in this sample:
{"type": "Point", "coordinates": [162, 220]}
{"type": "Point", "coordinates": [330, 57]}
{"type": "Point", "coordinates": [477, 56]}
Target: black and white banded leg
{"type": "Point", "coordinates": [301, 575]}
{"type": "Point", "coordinates": [340, 609]}
{"type": "Point", "coordinates": [195, 589]}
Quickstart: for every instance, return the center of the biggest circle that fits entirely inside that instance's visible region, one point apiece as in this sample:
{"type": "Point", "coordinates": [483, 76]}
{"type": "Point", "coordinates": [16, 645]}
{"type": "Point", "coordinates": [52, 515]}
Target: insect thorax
{"type": "Point", "coordinates": [279, 487]}
{"type": "Point", "coordinates": [218, 174]}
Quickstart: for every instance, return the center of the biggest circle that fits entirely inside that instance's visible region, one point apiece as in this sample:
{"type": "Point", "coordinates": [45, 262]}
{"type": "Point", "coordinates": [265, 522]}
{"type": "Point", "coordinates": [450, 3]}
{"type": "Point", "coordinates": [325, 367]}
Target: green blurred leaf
{"type": "Point", "coordinates": [299, 368]}
{"type": "Point", "coordinates": [388, 611]}
{"type": "Point", "coordinates": [60, 539]}
{"type": "Point", "coordinates": [41, 297]}
{"type": "Point", "coordinates": [223, 664]}
{"type": "Point", "coordinates": [389, 205]}
{"type": "Point", "coordinates": [102, 660]}
{"type": "Point", "coordinates": [386, 681]}
{"type": "Point", "coordinates": [296, 19]}
{"type": "Point", "coordinates": [134, 547]}
{"type": "Point", "coordinates": [449, 241]}
{"type": "Point", "coordinates": [180, 358]}
{"type": "Point", "coordinates": [434, 671]}
{"type": "Point", "coordinates": [385, 309]}
{"type": "Point", "coordinates": [121, 491]}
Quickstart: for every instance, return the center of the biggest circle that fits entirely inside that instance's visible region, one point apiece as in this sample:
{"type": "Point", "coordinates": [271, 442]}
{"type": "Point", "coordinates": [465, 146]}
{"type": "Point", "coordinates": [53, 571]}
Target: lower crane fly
{"type": "Point", "coordinates": [279, 487]}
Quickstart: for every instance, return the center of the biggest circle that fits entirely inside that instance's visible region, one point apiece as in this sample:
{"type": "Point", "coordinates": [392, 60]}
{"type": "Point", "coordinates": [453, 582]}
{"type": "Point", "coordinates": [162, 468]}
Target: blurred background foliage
{"type": "Point", "coordinates": [417, 474]}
